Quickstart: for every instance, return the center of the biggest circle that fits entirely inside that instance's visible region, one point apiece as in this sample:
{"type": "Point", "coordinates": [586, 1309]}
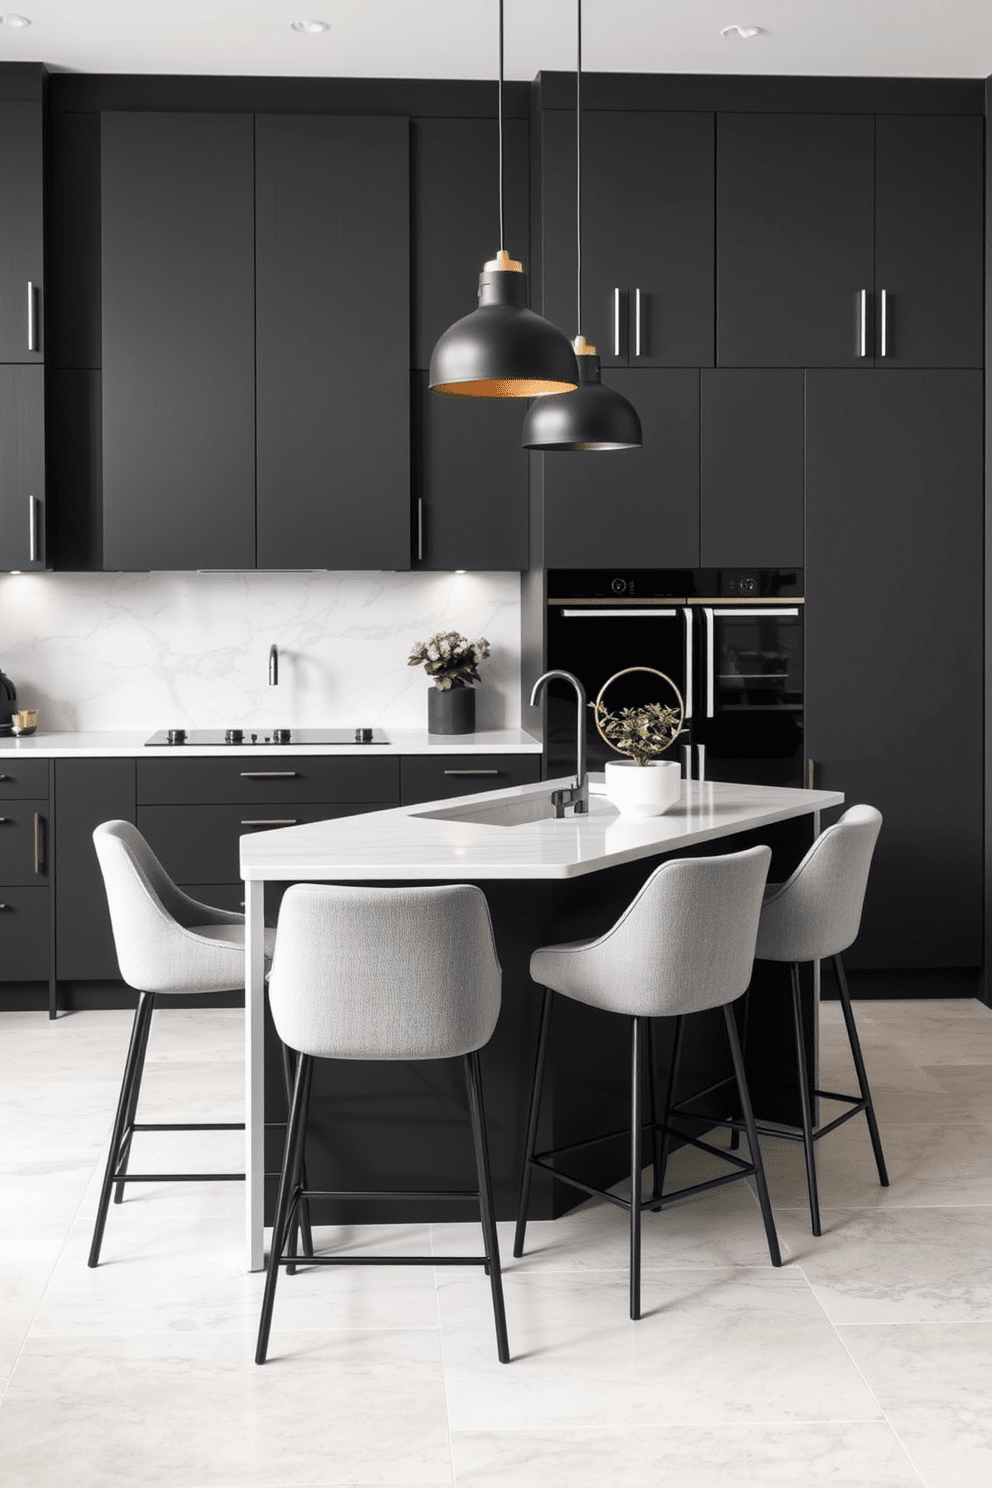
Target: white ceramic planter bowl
{"type": "Point", "coordinates": [643, 790]}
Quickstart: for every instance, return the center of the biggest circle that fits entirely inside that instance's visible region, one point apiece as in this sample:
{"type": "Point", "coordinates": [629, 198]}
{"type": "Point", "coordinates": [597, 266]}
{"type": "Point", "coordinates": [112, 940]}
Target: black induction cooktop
{"type": "Point", "coordinates": [268, 737]}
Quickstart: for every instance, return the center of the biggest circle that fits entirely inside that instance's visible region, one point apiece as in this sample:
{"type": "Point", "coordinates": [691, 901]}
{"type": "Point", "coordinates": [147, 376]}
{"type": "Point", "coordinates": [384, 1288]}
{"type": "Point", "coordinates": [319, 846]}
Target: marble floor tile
{"type": "Point", "coordinates": [167, 1411]}
{"type": "Point", "coordinates": [578, 1360]}
{"type": "Point", "coordinates": [40, 1197]}
{"type": "Point", "coordinates": [932, 1381]}
{"type": "Point", "coordinates": [970, 1084]}
{"type": "Point", "coordinates": [180, 1275]}
{"type": "Point", "coordinates": [846, 1455]}
{"type": "Point", "coordinates": [932, 1037]}
{"type": "Point", "coordinates": [197, 1033]}
{"type": "Point", "coordinates": [896, 1265]}
{"type": "Point", "coordinates": [24, 1275]}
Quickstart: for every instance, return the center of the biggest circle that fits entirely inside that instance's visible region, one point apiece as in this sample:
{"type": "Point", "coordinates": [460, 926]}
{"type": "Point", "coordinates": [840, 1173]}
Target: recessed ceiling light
{"type": "Point", "coordinates": [15, 22]}
{"type": "Point", "coordinates": [309, 28]}
{"type": "Point", "coordinates": [740, 33]}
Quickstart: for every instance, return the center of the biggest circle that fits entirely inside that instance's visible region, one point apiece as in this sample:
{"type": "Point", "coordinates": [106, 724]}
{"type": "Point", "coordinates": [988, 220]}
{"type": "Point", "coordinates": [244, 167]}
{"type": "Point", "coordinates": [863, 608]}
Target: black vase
{"type": "Point", "coordinates": [451, 711]}
{"type": "Point", "coordinates": [8, 702]}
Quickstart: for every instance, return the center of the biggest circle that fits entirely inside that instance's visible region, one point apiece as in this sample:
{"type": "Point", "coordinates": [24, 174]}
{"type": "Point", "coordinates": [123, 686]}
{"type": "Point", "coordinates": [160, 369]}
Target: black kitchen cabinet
{"type": "Point", "coordinates": [647, 234]}
{"type": "Point", "coordinates": [178, 341]}
{"type": "Point", "coordinates": [433, 778]}
{"type": "Point", "coordinates": [454, 217]}
{"type": "Point", "coordinates": [751, 468]}
{"type": "Point", "coordinates": [21, 232]}
{"type": "Point", "coordinates": [795, 205]}
{"type": "Point", "coordinates": [22, 468]}
{"type": "Point", "coordinates": [87, 792]}
{"type": "Point", "coordinates": [893, 645]}
{"type": "Point", "coordinates": [470, 482]}
{"type": "Point", "coordinates": [333, 326]}
{"type": "Point", "coordinates": [25, 865]}
{"type": "Point", "coordinates": [928, 241]}
{"type": "Point", "coordinates": [634, 508]}
{"type": "Point", "coordinates": [24, 842]}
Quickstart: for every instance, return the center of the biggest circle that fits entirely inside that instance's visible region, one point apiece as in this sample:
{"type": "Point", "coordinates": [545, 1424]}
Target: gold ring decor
{"type": "Point", "coordinates": [655, 673]}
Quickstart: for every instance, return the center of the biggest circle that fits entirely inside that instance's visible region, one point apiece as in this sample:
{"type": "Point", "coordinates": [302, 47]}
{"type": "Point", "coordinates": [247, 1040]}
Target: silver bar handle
{"type": "Point", "coordinates": [687, 619]}
{"type": "Point", "coordinates": [616, 322]}
{"type": "Point", "coordinates": [39, 857]}
{"type": "Point", "coordinates": [863, 323]}
{"type": "Point", "coordinates": [32, 317]}
{"type": "Point", "coordinates": [471, 772]}
{"type": "Point", "coordinates": [268, 774]}
{"type": "Point", "coordinates": [811, 774]}
{"type": "Point", "coordinates": [273, 821]}
{"type": "Point", "coordinates": [34, 507]}
{"type": "Point", "coordinates": [637, 321]}
{"type": "Point", "coordinates": [883, 347]}
{"type": "Point", "coordinates": [701, 761]}
{"type": "Point", "coordinates": [420, 529]}
{"type": "Point", "coordinates": [710, 661]}
{"type": "Point", "coordinates": [617, 614]}
{"type": "Point", "coordinates": [686, 761]}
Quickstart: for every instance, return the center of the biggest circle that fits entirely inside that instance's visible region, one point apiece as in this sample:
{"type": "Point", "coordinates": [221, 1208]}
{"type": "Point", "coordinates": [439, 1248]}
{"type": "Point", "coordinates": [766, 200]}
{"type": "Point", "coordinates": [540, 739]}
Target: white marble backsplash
{"type": "Point", "coordinates": [124, 651]}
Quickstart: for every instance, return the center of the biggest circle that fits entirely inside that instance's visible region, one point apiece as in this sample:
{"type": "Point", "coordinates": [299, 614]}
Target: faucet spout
{"type": "Point", "coordinates": [273, 665]}
{"type": "Point", "coordinates": [578, 796]}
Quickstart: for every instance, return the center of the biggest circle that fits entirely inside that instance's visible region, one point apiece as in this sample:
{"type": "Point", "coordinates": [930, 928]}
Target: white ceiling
{"type": "Point", "coordinates": [457, 38]}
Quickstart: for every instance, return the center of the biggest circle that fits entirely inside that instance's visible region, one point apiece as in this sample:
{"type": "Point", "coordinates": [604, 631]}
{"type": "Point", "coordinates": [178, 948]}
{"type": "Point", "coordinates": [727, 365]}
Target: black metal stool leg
{"type": "Point", "coordinates": [637, 1031]}
{"type": "Point", "coordinates": [661, 1154]}
{"type": "Point", "coordinates": [530, 1143]}
{"type": "Point", "coordinates": [132, 1078]}
{"type": "Point", "coordinates": [752, 1137]}
{"type": "Point", "coordinates": [805, 1098]}
{"type": "Point", "coordinates": [473, 1080]}
{"type": "Point", "coordinates": [859, 1065]}
{"type": "Point", "coordinates": [735, 1135]}
{"type": "Point", "coordinates": [285, 1206]}
{"type": "Point", "coordinates": [138, 1069]}
{"type": "Point", "coordinates": [301, 1224]}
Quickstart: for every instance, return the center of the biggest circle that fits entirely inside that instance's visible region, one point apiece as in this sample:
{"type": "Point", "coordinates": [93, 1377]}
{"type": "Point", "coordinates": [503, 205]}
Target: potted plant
{"type": "Point", "coordinates": [453, 662]}
{"type": "Point", "coordinates": [643, 784]}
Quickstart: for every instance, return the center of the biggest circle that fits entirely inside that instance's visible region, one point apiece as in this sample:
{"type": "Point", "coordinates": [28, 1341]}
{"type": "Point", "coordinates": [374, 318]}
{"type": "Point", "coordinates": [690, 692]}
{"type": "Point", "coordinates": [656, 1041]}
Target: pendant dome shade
{"type": "Point", "coordinates": [595, 417]}
{"type": "Point", "coordinates": [502, 349]}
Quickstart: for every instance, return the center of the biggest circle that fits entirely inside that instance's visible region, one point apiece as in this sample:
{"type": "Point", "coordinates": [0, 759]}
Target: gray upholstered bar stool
{"type": "Point", "coordinates": [683, 945]}
{"type": "Point", "coordinates": [816, 914]}
{"type": "Point", "coordinates": [167, 944]}
{"type": "Point", "coordinates": [383, 974]}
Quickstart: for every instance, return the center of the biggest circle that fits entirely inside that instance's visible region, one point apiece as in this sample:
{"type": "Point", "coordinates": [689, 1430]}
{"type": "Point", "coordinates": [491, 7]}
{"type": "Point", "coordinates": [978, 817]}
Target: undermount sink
{"type": "Point", "coordinates": [501, 813]}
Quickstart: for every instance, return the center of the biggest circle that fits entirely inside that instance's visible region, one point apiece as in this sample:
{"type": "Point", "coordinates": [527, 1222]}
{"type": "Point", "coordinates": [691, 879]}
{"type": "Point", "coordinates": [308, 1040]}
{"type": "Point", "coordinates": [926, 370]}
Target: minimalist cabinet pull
{"type": "Point", "coordinates": [637, 321]}
{"type": "Point", "coordinates": [4, 906]}
{"type": "Point", "coordinates": [471, 772]}
{"type": "Point", "coordinates": [810, 774]}
{"type": "Point", "coordinates": [268, 774]}
{"type": "Point", "coordinates": [710, 662]}
{"type": "Point", "coordinates": [274, 821]}
{"type": "Point", "coordinates": [687, 620]}
{"type": "Point", "coordinates": [34, 506]}
{"type": "Point", "coordinates": [32, 317]}
{"type": "Point", "coordinates": [420, 528]}
{"type": "Point", "coordinates": [883, 348]}
{"type": "Point", "coordinates": [4, 777]}
{"type": "Point", "coordinates": [39, 842]}
{"type": "Point", "coordinates": [863, 323]}
{"type": "Point", "coordinates": [4, 818]}
{"type": "Point", "coordinates": [616, 322]}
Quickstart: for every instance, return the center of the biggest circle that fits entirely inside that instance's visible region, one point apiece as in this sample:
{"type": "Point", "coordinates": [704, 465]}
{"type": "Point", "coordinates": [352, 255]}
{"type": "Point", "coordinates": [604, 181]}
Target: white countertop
{"type": "Point", "coordinates": [404, 843]}
{"type": "Point", "coordinates": [401, 741]}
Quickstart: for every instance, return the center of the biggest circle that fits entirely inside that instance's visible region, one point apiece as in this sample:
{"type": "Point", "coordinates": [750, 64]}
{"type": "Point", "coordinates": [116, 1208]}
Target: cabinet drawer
{"type": "Point", "coordinates": [269, 778]}
{"type": "Point", "coordinates": [24, 935]}
{"type": "Point", "coordinates": [24, 842]}
{"type": "Point", "coordinates": [22, 777]}
{"type": "Point", "coordinates": [200, 844]}
{"type": "Point", "coordinates": [436, 778]}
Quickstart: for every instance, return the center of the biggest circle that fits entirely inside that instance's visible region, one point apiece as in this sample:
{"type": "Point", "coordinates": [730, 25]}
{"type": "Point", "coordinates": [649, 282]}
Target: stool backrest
{"type": "Point", "coordinates": [817, 911]}
{"type": "Point", "coordinates": [155, 924]}
{"type": "Point", "coordinates": [369, 973]}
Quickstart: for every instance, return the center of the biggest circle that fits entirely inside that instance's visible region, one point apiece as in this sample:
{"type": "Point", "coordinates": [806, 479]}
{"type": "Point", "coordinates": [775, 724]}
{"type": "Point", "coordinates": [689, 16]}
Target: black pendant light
{"type": "Point", "coordinates": [503, 350]}
{"type": "Point", "coordinates": [595, 417]}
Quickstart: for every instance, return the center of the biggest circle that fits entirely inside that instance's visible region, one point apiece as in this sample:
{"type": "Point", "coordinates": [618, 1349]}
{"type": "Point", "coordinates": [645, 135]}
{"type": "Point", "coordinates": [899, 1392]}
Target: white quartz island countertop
{"type": "Point", "coordinates": [489, 836]}
{"type": "Point", "coordinates": [132, 742]}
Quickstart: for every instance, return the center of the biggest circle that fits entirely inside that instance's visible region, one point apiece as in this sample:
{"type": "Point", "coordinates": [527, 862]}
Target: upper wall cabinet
{"type": "Point", "coordinates": [22, 468]}
{"type": "Point", "coordinates": [647, 234]}
{"type": "Point", "coordinates": [178, 341]}
{"type": "Point", "coordinates": [849, 241]}
{"type": "Point", "coordinates": [333, 286]}
{"type": "Point", "coordinates": [21, 233]}
{"type": "Point", "coordinates": [455, 216]}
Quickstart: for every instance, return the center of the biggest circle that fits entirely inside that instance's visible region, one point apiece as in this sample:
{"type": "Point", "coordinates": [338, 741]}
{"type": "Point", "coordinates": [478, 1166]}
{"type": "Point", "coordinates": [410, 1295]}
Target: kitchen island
{"type": "Point", "coordinates": [546, 880]}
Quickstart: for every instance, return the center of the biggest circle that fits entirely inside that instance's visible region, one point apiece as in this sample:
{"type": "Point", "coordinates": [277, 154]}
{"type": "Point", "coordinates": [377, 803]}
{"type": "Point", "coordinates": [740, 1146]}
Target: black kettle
{"type": "Point", "coordinates": [8, 703]}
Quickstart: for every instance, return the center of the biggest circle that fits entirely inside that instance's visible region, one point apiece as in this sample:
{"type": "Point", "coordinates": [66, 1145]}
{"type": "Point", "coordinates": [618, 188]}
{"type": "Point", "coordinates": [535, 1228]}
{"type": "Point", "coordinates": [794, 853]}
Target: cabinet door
{"type": "Point", "coordinates": [25, 929]}
{"type": "Point", "coordinates": [21, 224]}
{"type": "Point", "coordinates": [178, 341]}
{"type": "Point", "coordinates": [647, 234]}
{"type": "Point", "coordinates": [429, 778]}
{"type": "Point", "coordinates": [454, 216]}
{"type": "Point", "coordinates": [333, 308]}
{"type": "Point", "coordinates": [24, 843]}
{"type": "Point", "coordinates": [893, 652]}
{"type": "Point", "coordinates": [751, 468]}
{"type": "Point", "coordinates": [470, 482]}
{"type": "Point", "coordinates": [87, 792]}
{"type": "Point", "coordinates": [22, 468]}
{"type": "Point", "coordinates": [631, 508]}
{"type": "Point", "coordinates": [928, 241]}
{"type": "Point", "coordinates": [795, 205]}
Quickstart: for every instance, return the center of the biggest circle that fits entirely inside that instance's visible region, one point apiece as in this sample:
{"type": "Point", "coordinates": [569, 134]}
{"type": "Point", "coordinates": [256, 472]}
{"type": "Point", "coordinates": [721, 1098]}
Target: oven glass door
{"type": "Point", "coordinates": [594, 643]}
{"type": "Point", "coordinates": [751, 693]}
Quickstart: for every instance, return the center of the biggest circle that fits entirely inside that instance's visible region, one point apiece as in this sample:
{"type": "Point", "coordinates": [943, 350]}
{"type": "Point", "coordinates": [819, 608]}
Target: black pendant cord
{"type": "Point", "coordinates": [578, 170]}
{"type": "Point", "coordinates": [499, 111]}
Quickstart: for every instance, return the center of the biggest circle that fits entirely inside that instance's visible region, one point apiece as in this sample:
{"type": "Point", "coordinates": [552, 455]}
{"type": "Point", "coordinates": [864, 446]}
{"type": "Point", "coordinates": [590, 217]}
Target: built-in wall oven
{"type": "Point", "coordinates": [730, 639]}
